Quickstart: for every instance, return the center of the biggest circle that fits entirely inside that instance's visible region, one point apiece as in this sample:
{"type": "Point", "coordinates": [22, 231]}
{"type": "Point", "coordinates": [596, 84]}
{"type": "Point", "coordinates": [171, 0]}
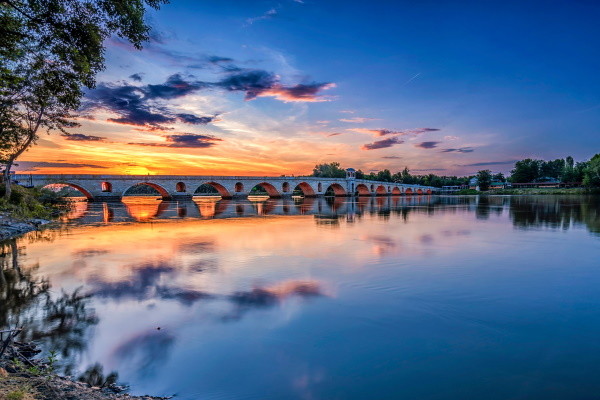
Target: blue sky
{"type": "Point", "coordinates": [439, 86]}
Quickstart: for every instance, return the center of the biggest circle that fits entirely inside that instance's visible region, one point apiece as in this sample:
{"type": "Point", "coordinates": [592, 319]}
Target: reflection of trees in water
{"type": "Point", "coordinates": [556, 212]}
{"type": "Point", "coordinates": [19, 289]}
{"type": "Point", "coordinates": [58, 324]}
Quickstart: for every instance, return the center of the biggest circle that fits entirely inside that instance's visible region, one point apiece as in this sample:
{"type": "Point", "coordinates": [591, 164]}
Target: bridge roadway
{"type": "Point", "coordinates": [181, 187]}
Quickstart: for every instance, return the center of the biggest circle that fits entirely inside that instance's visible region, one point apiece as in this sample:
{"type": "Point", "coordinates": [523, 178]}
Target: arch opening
{"type": "Point", "coordinates": [146, 189]}
{"type": "Point", "coordinates": [396, 191]}
{"type": "Point", "coordinates": [264, 189]}
{"type": "Point", "coordinates": [408, 191]}
{"type": "Point", "coordinates": [303, 189]}
{"type": "Point", "coordinates": [381, 190]}
{"type": "Point", "coordinates": [180, 187]}
{"type": "Point", "coordinates": [428, 191]}
{"type": "Point", "coordinates": [419, 191]}
{"type": "Point", "coordinates": [335, 189]}
{"type": "Point", "coordinates": [362, 190]}
{"type": "Point", "coordinates": [239, 187]}
{"type": "Point", "coordinates": [212, 189]}
{"type": "Point", "coordinates": [285, 187]}
{"type": "Point", "coordinates": [106, 187]}
{"type": "Point", "coordinates": [69, 190]}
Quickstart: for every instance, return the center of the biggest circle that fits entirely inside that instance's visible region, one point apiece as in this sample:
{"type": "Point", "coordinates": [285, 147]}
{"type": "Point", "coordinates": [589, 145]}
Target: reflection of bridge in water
{"type": "Point", "coordinates": [180, 187]}
{"type": "Point", "coordinates": [323, 208]}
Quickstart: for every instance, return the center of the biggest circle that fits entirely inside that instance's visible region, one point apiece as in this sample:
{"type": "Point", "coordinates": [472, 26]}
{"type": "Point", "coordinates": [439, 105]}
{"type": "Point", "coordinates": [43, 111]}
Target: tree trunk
{"type": "Point", "coordinates": [7, 182]}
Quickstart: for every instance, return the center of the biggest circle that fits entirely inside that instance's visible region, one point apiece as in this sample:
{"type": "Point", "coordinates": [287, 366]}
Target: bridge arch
{"type": "Point", "coordinates": [338, 190]}
{"type": "Point", "coordinates": [306, 189]}
{"type": "Point", "coordinates": [79, 188]}
{"type": "Point", "coordinates": [362, 190]}
{"type": "Point", "coordinates": [269, 188]}
{"type": "Point", "coordinates": [428, 191]}
{"type": "Point", "coordinates": [381, 190]}
{"type": "Point", "coordinates": [223, 192]}
{"type": "Point", "coordinates": [396, 191]}
{"type": "Point", "coordinates": [419, 191]}
{"type": "Point", "coordinates": [408, 191]}
{"type": "Point", "coordinates": [239, 187]}
{"type": "Point", "coordinates": [285, 187]}
{"type": "Point", "coordinates": [106, 187]}
{"type": "Point", "coordinates": [161, 190]}
{"type": "Point", "coordinates": [180, 187]}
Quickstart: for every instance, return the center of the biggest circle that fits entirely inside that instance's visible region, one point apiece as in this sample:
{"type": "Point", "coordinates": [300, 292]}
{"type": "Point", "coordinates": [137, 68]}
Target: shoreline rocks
{"type": "Point", "coordinates": [10, 227]}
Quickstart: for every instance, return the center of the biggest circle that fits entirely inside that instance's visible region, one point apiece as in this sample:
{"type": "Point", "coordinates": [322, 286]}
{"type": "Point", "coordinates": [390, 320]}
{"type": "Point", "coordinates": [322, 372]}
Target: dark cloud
{"type": "Point", "coordinates": [219, 60]}
{"type": "Point", "coordinates": [385, 132]}
{"type": "Point", "coordinates": [483, 164]}
{"type": "Point", "coordinates": [459, 150]}
{"type": "Point", "coordinates": [36, 165]}
{"type": "Point", "coordinates": [427, 145]}
{"type": "Point", "coordinates": [392, 157]}
{"type": "Point", "coordinates": [195, 120]}
{"type": "Point", "coordinates": [80, 137]}
{"type": "Point", "coordinates": [136, 77]}
{"type": "Point", "coordinates": [184, 140]}
{"type": "Point", "coordinates": [136, 105]}
{"type": "Point", "coordinates": [334, 134]}
{"type": "Point", "coordinates": [382, 144]}
{"type": "Point", "coordinates": [259, 83]}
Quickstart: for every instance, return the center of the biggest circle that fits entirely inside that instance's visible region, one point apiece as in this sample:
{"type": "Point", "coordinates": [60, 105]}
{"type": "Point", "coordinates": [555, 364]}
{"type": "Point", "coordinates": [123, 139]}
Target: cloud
{"type": "Point", "coordinates": [137, 105]}
{"type": "Point", "coordinates": [184, 140]}
{"type": "Point", "coordinates": [267, 15]}
{"type": "Point", "coordinates": [80, 137]}
{"type": "Point", "coordinates": [195, 120]}
{"type": "Point", "coordinates": [385, 132]}
{"type": "Point", "coordinates": [36, 165]}
{"type": "Point", "coordinates": [347, 111]}
{"type": "Point", "coordinates": [483, 164]}
{"type": "Point", "coordinates": [459, 150]}
{"type": "Point", "coordinates": [382, 144]}
{"type": "Point", "coordinates": [260, 83]}
{"type": "Point", "coordinates": [392, 157]}
{"type": "Point", "coordinates": [450, 137]}
{"type": "Point", "coordinates": [427, 145]}
{"type": "Point", "coordinates": [136, 77]}
{"type": "Point", "coordinates": [357, 120]}
{"type": "Point", "coordinates": [334, 134]}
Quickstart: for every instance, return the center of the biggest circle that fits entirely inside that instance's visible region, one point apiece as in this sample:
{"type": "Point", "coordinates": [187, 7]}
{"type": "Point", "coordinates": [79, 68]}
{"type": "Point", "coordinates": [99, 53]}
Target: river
{"type": "Point", "coordinates": [423, 297]}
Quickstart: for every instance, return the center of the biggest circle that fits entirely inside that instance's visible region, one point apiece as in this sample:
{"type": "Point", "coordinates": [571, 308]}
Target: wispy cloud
{"type": "Point", "coordinates": [427, 145]}
{"type": "Point", "coordinates": [382, 144]}
{"type": "Point", "coordinates": [36, 165]}
{"type": "Point", "coordinates": [385, 132]}
{"type": "Point", "coordinates": [357, 120]}
{"type": "Point", "coordinates": [185, 140]}
{"type": "Point", "coordinates": [80, 137]}
{"type": "Point", "coordinates": [391, 157]}
{"type": "Point", "coordinates": [459, 150]}
{"type": "Point", "coordinates": [267, 15]}
{"type": "Point", "coordinates": [483, 164]}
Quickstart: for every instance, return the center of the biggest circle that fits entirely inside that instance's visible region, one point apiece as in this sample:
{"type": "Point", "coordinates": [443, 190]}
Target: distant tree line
{"type": "Point", "coordinates": [565, 170]}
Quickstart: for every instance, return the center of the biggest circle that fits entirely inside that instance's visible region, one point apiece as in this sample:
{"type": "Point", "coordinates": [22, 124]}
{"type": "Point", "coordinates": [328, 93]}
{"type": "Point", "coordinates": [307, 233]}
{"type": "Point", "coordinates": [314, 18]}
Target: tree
{"type": "Point", "coordinates": [591, 177]}
{"type": "Point", "coordinates": [484, 179]}
{"type": "Point", "coordinates": [331, 170]}
{"type": "Point", "coordinates": [50, 51]}
{"type": "Point", "coordinates": [499, 177]}
{"type": "Point", "coordinates": [525, 171]}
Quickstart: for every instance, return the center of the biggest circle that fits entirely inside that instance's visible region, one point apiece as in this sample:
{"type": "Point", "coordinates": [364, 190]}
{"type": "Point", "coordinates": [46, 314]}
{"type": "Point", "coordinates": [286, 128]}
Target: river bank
{"type": "Point", "coordinates": [32, 379]}
{"type": "Point", "coordinates": [529, 192]}
{"type": "Point", "coordinates": [11, 227]}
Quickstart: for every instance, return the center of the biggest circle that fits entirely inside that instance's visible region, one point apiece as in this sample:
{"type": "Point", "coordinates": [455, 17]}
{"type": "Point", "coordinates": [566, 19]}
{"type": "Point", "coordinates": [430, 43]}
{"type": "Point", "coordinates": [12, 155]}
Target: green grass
{"type": "Point", "coordinates": [25, 203]}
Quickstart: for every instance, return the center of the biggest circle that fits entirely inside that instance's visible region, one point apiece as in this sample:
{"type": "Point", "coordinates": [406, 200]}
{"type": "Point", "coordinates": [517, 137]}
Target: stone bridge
{"type": "Point", "coordinates": [114, 187]}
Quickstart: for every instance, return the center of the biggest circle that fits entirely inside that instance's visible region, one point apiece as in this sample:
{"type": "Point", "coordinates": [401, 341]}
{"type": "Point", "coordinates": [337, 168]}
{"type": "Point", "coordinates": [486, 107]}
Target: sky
{"type": "Point", "coordinates": [229, 87]}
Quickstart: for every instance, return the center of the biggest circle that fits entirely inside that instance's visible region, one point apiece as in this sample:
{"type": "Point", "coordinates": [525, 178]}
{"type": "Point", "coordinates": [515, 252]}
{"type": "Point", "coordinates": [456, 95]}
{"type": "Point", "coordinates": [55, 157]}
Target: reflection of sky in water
{"type": "Point", "coordinates": [385, 298]}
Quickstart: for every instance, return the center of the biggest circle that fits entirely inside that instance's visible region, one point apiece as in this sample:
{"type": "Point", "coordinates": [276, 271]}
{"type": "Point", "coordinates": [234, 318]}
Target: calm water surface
{"type": "Point", "coordinates": [382, 298]}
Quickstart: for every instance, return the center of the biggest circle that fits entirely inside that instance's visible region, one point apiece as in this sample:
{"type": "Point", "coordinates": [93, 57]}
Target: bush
{"type": "Point", "coordinates": [29, 203]}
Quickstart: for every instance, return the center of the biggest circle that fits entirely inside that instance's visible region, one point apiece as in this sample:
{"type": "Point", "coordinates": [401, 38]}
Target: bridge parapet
{"type": "Point", "coordinates": [114, 187]}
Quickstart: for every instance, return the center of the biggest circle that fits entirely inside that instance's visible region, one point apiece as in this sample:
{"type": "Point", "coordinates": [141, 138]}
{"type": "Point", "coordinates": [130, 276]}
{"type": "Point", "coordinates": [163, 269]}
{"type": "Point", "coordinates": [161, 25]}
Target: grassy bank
{"type": "Point", "coordinates": [531, 191]}
{"type": "Point", "coordinates": [30, 203]}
